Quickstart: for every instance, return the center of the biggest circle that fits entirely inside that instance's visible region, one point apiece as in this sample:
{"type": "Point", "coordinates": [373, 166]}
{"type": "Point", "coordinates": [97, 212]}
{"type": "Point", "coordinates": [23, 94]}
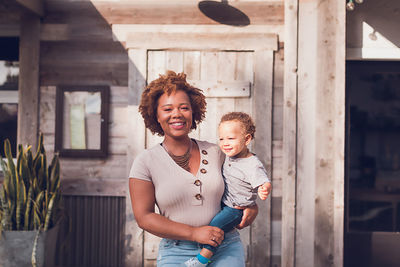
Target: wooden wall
{"type": "Point", "coordinates": [83, 43]}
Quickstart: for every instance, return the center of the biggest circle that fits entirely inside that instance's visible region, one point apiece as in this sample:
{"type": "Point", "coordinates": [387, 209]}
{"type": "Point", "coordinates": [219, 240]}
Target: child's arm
{"type": "Point", "coordinates": [264, 190]}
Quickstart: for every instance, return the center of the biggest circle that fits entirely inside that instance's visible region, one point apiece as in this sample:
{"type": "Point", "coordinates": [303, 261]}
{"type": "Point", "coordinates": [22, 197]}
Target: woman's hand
{"type": "Point", "coordinates": [249, 215]}
{"type": "Point", "coordinates": [208, 235]}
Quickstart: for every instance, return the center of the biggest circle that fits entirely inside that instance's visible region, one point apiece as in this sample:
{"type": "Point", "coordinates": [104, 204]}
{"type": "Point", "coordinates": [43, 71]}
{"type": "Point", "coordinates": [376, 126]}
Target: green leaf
{"type": "Point", "coordinates": [6, 216]}
{"type": "Point", "coordinates": [55, 175]}
{"type": "Point", "coordinates": [28, 211]}
{"type": "Point", "coordinates": [49, 212]}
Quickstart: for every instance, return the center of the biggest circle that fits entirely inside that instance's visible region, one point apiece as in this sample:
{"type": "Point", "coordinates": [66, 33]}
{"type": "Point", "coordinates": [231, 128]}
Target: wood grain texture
{"type": "Point", "coordinates": [135, 144]}
{"type": "Point", "coordinates": [28, 83]}
{"type": "Point", "coordinates": [156, 12]}
{"type": "Point", "coordinates": [319, 214]}
{"type": "Point", "coordinates": [204, 41]}
{"type": "Point", "coordinates": [262, 110]}
{"type": "Point", "coordinates": [289, 144]}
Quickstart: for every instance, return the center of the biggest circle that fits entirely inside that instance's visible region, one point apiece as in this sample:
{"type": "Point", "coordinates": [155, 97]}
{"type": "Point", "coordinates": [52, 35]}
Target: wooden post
{"type": "Point", "coordinates": [320, 134]}
{"type": "Point", "coordinates": [28, 84]}
{"type": "Point", "coordinates": [289, 148]}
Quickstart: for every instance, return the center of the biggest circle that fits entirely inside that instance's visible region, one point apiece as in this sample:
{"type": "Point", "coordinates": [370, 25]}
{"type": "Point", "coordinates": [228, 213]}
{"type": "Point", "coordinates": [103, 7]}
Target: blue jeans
{"type": "Point", "coordinates": [174, 253]}
{"type": "Point", "coordinates": [226, 220]}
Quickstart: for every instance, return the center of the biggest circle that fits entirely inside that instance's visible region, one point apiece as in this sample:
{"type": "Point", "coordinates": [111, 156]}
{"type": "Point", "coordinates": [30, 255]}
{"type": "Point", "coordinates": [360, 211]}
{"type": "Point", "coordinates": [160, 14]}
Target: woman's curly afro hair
{"type": "Point", "coordinates": [169, 83]}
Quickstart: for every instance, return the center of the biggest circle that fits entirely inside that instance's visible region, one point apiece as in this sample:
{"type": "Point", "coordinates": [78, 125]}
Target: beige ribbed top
{"type": "Point", "coordinates": [178, 196]}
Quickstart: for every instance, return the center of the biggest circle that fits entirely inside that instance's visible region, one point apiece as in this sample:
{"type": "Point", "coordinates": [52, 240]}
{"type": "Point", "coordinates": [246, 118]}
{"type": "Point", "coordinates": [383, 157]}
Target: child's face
{"type": "Point", "coordinates": [233, 140]}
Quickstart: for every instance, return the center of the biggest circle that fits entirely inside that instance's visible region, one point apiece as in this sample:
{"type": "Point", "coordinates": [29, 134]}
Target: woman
{"type": "Point", "coordinates": [182, 176]}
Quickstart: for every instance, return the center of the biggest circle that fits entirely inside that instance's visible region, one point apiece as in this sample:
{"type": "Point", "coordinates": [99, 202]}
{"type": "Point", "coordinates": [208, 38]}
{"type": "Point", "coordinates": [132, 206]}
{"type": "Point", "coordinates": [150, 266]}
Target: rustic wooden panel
{"type": "Point", "coordinates": [94, 187]}
{"type": "Point", "coordinates": [319, 218]}
{"type": "Point", "coordinates": [191, 66]}
{"type": "Point", "coordinates": [54, 32]}
{"type": "Point", "coordinates": [209, 41]}
{"type": "Point", "coordinates": [261, 229]}
{"type": "Point", "coordinates": [209, 72]}
{"type": "Point", "coordinates": [289, 147]}
{"type": "Point", "coordinates": [113, 167]}
{"type": "Point", "coordinates": [279, 68]}
{"type": "Point", "coordinates": [82, 52]}
{"type": "Point", "coordinates": [120, 31]}
{"type": "Point", "coordinates": [144, 12]}
{"type": "Point", "coordinates": [135, 144]}
{"type": "Point", "coordinates": [223, 89]}
{"type": "Point", "coordinates": [83, 73]}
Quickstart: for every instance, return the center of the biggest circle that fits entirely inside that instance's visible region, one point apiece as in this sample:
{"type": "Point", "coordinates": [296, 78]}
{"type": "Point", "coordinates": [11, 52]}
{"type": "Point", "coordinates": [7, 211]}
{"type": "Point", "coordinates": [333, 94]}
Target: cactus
{"type": "Point", "coordinates": [30, 197]}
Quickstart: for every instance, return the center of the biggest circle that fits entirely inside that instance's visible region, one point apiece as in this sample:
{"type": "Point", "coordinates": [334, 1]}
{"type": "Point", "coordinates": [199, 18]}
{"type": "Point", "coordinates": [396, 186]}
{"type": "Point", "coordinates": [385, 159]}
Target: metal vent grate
{"type": "Point", "coordinates": [92, 232]}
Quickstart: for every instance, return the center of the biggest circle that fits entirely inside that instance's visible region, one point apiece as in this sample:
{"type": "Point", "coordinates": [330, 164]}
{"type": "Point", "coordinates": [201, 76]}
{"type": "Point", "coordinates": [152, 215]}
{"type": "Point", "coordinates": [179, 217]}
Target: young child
{"type": "Point", "coordinates": [244, 175]}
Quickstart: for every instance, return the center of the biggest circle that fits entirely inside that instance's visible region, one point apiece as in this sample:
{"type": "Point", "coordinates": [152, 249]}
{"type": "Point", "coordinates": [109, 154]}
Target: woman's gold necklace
{"type": "Point", "coordinates": [182, 161]}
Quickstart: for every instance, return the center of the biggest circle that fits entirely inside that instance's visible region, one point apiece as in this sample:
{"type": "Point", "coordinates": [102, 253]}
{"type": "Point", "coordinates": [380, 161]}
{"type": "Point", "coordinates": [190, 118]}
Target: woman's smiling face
{"type": "Point", "coordinates": [174, 113]}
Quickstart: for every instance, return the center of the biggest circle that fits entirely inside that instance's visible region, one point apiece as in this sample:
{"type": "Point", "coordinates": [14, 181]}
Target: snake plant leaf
{"type": "Point", "coordinates": [49, 212]}
{"type": "Point", "coordinates": [20, 151]}
{"type": "Point", "coordinates": [11, 169]}
{"type": "Point", "coordinates": [7, 176]}
{"type": "Point", "coordinates": [21, 202]}
{"type": "Point", "coordinates": [6, 216]}
{"type": "Point", "coordinates": [37, 204]}
{"type": "Point", "coordinates": [24, 171]}
{"type": "Point", "coordinates": [28, 211]}
{"type": "Point", "coordinates": [55, 175]}
{"type": "Point", "coordinates": [35, 243]}
{"type": "Point", "coordinates": [40, 174]}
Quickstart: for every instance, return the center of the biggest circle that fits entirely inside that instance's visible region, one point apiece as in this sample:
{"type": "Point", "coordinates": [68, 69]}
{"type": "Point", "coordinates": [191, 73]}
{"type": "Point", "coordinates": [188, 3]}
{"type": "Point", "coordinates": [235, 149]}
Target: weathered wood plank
{"type": "Point", "coordinates": [120, 31]}
{"type": "Point", "coordinates": [191, 67]}
{"type": "Point", "coordinates": [319, 214]}
{"type": "Point", "coordinates": [261, 229]}
{"type": "Point", "coordinates": [175, 12]}
{"type": "Point", "coordinates": [28, 83]}
{"type": "Point", "coordinates": [135, 144]}
{"type": "Point", "coordinates": [94, 187]}
{"type": "Point", "coordinates": [209, 41]}
{"type": "Point", "coordinates": [112, 167]}
{"type": "Point", "coordinates": [112, 74]}
{"type": "Point", "coordinates": [208, 71]}
{"type": "Point", "coordinates": [224, 88]}
{"type": "Point", "coordinates": [78, 52]}
{"type": "Point", "coordinates": [289, 144]}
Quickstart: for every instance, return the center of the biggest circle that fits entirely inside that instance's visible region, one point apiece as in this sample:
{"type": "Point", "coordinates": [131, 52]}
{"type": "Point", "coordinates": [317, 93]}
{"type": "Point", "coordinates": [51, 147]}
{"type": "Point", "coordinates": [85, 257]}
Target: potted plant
{"type": "Point", "coordinates": [30, 204]}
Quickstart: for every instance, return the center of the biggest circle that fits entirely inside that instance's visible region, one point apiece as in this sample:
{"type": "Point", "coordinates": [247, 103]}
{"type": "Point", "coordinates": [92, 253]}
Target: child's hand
{"type": "Point", "coordinates": [264, 190]}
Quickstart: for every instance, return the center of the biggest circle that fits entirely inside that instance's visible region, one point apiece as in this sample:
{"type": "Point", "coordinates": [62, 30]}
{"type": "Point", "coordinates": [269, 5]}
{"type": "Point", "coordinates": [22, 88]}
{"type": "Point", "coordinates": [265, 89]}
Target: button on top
{"type": "Point", "coordinates": [229, 164]}
{"type": "Point", "coordinates": [205, 162]}
{"type": "Point", "coordinates": [198, 196]}
{"type": "Point", "coordinates": [197, 182]}
{"type": "Point", "coordinates": [204, 152]}
{"type": "Point", "coordinates": [203, 170]}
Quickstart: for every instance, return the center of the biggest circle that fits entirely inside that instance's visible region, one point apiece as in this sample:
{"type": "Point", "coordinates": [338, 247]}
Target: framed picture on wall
{"type": "Point", "coordinates": [82, 121]}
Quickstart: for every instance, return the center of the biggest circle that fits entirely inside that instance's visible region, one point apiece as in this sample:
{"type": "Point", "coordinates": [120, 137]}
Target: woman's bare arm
{"type": "Point", "coordinates": [143, 201]}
